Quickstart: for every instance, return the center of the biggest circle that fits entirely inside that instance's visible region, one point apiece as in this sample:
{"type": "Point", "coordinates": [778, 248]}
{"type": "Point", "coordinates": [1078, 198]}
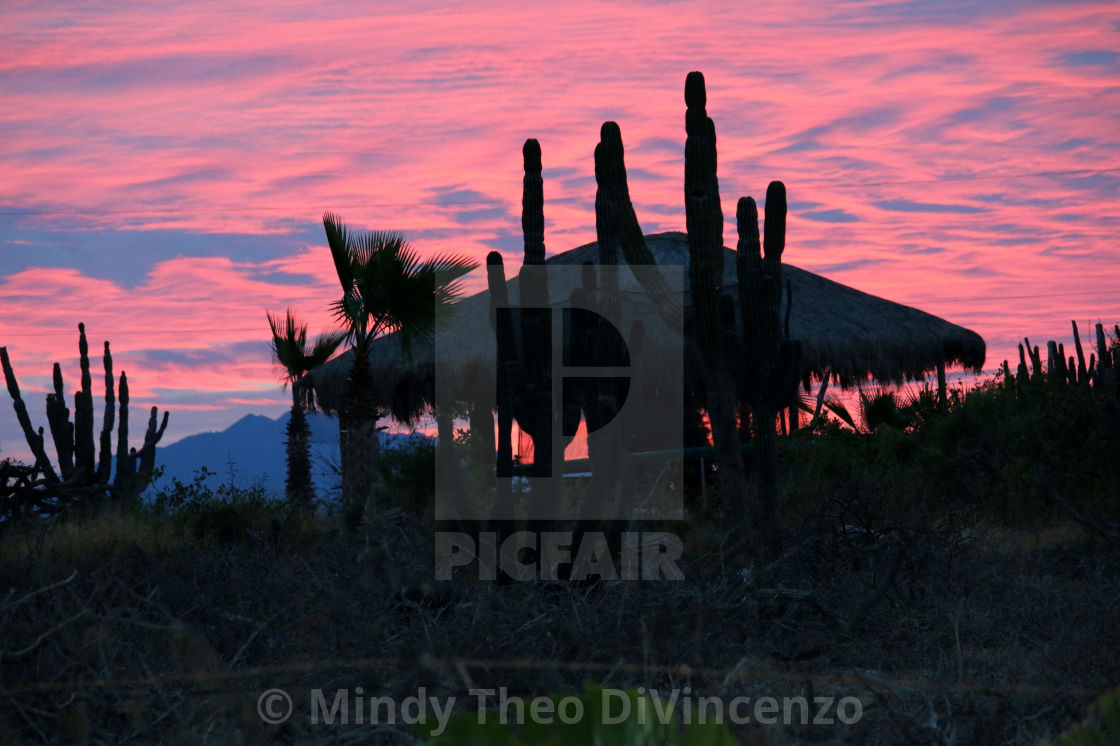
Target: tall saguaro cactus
{"type": "Point", "coordinates": [79, 476]}
{"type": "Point", "coordinates": [771, 363]}
{"type": "Point", "coordinates": [768, 364]}
{"type": "Point", "coordinates": [524, 337]}
{"type": "Point", "coordinates": [526, 389]}
{"type": "Point", "coordinates": [535, 410]}
{"type": "Point", "coordinates": [616, 223]}
{"type": "Point", "coordinates": [704, 217]}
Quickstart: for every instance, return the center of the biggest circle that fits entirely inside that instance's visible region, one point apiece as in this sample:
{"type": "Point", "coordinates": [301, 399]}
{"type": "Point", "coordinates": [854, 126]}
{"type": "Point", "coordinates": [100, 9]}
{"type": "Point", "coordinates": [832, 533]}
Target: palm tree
{"type": "Point", "coordinates": [290, 351]}
{"type": "Point", "coordinates": [385, 289]}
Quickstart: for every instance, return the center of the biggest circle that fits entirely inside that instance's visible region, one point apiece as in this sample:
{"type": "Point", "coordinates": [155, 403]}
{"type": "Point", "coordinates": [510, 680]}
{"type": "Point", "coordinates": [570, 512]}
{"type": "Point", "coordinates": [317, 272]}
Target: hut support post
{"type": "Point", "coordinates": [942, 386]}
{"type": "Point", "coordinates": [506, 364]}
{"type": "Point", "coordinates": [482, 433]}
{"type": "Point", "coordinates": [445, 449]}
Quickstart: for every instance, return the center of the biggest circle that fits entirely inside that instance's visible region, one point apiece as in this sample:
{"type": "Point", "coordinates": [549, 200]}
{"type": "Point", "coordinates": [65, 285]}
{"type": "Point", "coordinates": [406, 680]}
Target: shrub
{"type": "Point", "coordinates": [227, 514]}
{"type": "Point", "coordinates": [1000, 452]}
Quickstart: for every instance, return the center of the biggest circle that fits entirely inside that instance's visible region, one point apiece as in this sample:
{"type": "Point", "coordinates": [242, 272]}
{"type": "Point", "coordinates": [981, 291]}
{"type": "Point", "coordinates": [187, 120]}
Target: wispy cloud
{"type": "Point", "coordinates": [907, 205]}
{"type": "Point", "coordinates": [166, 167]}
{"type": "Point", "coordinates": [829, 216]}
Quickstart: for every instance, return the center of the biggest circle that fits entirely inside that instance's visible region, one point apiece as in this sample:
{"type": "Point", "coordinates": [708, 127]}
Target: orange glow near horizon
{"type": "Point", "coordinates": [166, 167]}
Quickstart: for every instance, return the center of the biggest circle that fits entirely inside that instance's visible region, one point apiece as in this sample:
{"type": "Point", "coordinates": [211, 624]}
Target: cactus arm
{"type": "Point", "coordinates": [532, 203]}
{"type": "Point", "coordinates": [704, 218]}
{"type": "Point", "coordinates": [616, 224]}
{"type": "Point", "coordinates": [533, 407]}
{"type": "Point", "coordinates": [1053, 362]}
{"type": "Point", "coordinates": [748, 270]}
{"type": "Point", "coordinates": [83, 414]}
{"type": "Point", "coordinates": [1102, 347]}
{"type": "Point", "coordinates": [34, 439]}
{"type": "Point", "coordinates": [105, 456]}
{"type": "Point", "coordinates": [503, 330]}
{"type": "Point", "coordinates": [152, 436]}
{"type": "Point", "coordinates": [1036, 359]}
{"type": "Point", "coordinates": [62, 430]}
{"type": "Point", "coordinates": [1082, 369]}
{"type": "Point", "coordinates": [124, 462]}
{"type": "Point", "coordinates": [74, 441]}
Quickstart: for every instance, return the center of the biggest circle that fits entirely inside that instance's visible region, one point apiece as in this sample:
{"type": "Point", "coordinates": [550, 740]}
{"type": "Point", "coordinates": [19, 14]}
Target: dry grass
{"type": "Point", "coordinates": [944, 637]}
{"type": "Point", "coordinates": [99, 536]}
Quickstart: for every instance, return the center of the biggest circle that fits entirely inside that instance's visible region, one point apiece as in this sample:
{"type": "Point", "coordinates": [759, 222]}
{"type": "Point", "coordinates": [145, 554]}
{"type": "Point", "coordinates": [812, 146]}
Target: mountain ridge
{"type": "Point", "coordinates": [251, 452]}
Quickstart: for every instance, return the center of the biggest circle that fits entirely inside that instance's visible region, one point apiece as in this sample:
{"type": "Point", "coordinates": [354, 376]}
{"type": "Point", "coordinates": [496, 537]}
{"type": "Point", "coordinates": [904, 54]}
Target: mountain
{"type": "Point", "coordinates": [251, 452]}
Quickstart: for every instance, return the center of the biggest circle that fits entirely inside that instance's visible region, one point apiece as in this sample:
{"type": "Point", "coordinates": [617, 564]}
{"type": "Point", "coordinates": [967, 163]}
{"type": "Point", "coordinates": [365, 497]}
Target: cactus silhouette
{"type": "Point", "coordinates": [771, 363]}
{"type": "Point", "coordinates": [524, 338]}
{"type": "Point", "coordinates": [704, 220]}
{"type": "Point", "coordinates": [79, 476]}
{"type": "Point", "coordinates": [755, 364]}
{"type": "Point", "coordinates": [1100, 372]}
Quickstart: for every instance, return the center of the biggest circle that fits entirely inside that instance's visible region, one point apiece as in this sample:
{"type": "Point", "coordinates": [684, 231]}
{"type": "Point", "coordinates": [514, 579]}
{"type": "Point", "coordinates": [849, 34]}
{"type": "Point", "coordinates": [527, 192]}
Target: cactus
{"type": "Point", "coordinates": [704, 220]}
{"type": "Point", "coordinates": [1102, 348]}
{"type": "Point", "coordinates": [79, 476]}
{"type": "Point", "coordinates": [711, 326]}
{"type": "Point", "coordinates": [525, 385]}
{"type": "Point", "coordinates": [1082, 369]}
{"type": "Point", "coordinates": [1099, 373]}
{"type": "Point", "coordinates": [1055, 363]}
{"type": "Point", "coordinates": [771, 362]}
{"type": "Point", "coordinates": [1022, 374]}
{"type": "Point", "coordinates": [1108, 361]}
{"type": "Point", "coordinates": [524, 380]}
{"type": "Point", "coordinates": [1036, 360]}
{"type": "Point", "coordinates": [616, 223]}
{"type": "Point", "coordinates": [506, 366]}
{"type": "Point", "coordinates": [533, 407]}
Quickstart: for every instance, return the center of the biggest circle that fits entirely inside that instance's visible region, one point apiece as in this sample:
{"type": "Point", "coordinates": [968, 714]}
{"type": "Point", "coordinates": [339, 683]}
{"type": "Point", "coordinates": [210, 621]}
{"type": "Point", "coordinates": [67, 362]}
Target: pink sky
{"type": "Point", "coordinates": [165, 166]}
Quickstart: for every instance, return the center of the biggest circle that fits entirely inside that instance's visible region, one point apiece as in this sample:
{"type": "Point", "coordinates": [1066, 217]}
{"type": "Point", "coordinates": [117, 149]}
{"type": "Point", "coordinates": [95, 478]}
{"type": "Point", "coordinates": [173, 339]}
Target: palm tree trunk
{"type": "Point", "coordinates": [358, 442]}
{"type": "Point", "coordinates": [300, 491]}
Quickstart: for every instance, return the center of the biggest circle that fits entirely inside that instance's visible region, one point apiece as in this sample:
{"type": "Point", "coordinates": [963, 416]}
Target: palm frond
{"type": "Point", "coordinates": [325, 346]}
{"type": "Point", "coordinates": [376, 246]}
{"type": "Point", "coordinates": [447, 271]}
{"type": "Point", "coordinates": [387, 287]}
{"type": "Point", "coordinates": [821, 392]}
{"type": "Point", "coordinates": [339, 242]}
{"type": "Point", "coordinates": [290, 351]}
{"type": "Point", "coordinates": [838, 409]}
{"type": "Point", "coordinates": [289, 340]}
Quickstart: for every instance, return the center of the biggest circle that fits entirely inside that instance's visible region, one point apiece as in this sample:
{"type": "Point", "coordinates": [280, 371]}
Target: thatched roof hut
{"type": "Point", "coordinates": [847, 333]}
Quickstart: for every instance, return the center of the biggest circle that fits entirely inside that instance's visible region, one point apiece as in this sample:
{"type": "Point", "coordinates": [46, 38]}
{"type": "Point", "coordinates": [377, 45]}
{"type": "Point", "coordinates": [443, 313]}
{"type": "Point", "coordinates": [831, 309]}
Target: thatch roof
{"type": "Point", "coordinates": [852, 334]}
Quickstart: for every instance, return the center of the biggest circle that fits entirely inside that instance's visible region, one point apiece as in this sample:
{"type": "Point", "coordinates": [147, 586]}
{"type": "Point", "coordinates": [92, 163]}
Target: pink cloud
{"type": "Point", "coordinates": [930, 151]}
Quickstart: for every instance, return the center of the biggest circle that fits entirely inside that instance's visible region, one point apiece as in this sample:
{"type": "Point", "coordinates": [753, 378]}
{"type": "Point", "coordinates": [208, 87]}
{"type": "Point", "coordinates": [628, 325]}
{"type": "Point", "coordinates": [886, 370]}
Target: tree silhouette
{"type": "Point", "coordinates": [386, 288]}
{"type": "Point", "coordinates": [290, 351]}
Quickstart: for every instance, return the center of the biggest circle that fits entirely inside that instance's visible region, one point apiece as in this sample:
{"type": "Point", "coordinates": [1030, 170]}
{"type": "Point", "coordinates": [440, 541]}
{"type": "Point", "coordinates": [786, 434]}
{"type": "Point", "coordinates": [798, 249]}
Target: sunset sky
{"type": "Point", "coordinates": [165, 166]}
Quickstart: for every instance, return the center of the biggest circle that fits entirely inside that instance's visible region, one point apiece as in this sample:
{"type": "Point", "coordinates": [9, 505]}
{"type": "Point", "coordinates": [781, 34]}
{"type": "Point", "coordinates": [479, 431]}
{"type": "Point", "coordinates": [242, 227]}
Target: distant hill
{"type": "Point", "coordinates": [250, 452]}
